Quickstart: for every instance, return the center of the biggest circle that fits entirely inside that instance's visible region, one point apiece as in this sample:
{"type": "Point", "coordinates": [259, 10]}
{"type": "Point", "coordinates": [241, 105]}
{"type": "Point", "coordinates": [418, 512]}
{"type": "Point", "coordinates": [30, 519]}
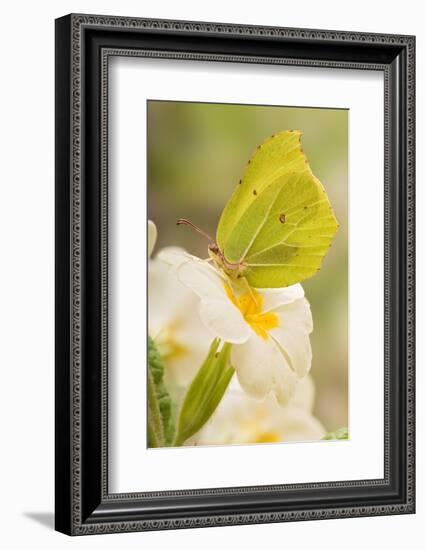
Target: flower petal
{"type": "Point", "coordinates": [262, 367]}
{"type": "Point", "coordinates": [299, 425]}
{"type": "Point", "coordinates": [224, 321]}
{"type": "Point", "coordinates": [168, 298]}
{"type": "Point", "coordinates": [253, 362]}
{"type": "Point", "coordinates": [285, 381]}
{"type": "Point", "coordinates": [304, 394]}
{"type": "Point", "coordinates": [203, 279]}
{"type": "Point", "coordinates": [296, 345]}
{"type": "Point", "coordinates": [296, 314]}
{"type": "Point", "coordinates": [174, 256]}
{"type": "Point", "coordinates": [292, 334]}
{"type": "Point", "coordinates": [274, 298]}
{"type": "Point", "coordinates": [217, 311]}
{"type": "Point", "coordinates": [152, 236]}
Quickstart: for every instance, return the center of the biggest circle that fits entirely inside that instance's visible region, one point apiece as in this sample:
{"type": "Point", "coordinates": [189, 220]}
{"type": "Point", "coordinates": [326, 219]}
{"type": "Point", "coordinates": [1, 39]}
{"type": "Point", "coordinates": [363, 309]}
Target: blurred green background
{"type": "Point", "coordinates": [197, 153]}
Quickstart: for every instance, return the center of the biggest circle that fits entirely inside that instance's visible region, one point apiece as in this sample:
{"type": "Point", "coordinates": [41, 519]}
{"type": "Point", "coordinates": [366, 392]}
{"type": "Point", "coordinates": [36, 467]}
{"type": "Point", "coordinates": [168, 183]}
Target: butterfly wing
{"type": "Point", "coordinates": [277, 156]}
{"type": "Point", "coordinates": [294, 227]}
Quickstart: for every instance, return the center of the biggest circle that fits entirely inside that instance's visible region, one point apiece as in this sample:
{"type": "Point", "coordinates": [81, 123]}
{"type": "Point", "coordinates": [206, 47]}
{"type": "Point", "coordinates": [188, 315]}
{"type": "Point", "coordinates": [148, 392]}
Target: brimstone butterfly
{"type": "Point", "coordinates": [278, 224]}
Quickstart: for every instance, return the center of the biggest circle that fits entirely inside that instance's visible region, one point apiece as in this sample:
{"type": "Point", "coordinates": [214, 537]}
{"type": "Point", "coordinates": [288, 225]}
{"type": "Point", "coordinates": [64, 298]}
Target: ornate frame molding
{"type": "Point", "coordinates": [85, 507]}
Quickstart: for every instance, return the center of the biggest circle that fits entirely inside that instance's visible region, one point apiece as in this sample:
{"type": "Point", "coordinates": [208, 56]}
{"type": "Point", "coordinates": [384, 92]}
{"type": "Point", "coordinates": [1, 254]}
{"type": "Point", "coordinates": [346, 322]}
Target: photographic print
{"type": "Point", "coordinates": [247, 274]}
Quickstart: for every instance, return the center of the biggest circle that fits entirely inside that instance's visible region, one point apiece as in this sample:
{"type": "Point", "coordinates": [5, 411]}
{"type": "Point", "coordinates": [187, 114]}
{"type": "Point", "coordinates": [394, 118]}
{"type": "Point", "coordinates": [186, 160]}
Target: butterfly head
{"type": "Point", "coordinates": [233, 270]}
{"type": "Point", "coordinates": [214, 249]}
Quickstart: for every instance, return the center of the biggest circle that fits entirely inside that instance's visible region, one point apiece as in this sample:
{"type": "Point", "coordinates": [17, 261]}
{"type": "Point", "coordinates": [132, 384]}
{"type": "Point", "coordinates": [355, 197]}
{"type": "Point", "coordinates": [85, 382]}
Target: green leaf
{"type": "Point", "coordinates": [160, 425]}
{"type": "Point", "coordinates": [156, 436]}
{"type": "Point", "coordinates": [205, 392]}
{"type": "Point", "coordinates": [278, 224]}
{"type": "Point", "coordinates": [341, 433]}
{"type": "Point", "coordinates": [171, 426]}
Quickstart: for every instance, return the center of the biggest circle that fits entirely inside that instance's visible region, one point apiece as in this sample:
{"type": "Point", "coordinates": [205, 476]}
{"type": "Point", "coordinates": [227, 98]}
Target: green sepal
{"type": "Point", "coordinates": [160, 425]}
{"type": "Point", "coordinates": [205, 392]}
{"type": "Point", "coordinates": [341, 433]}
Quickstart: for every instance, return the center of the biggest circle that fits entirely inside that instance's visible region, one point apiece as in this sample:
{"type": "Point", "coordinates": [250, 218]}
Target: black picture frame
{"type": "Point", "coordinates": [83, 45]}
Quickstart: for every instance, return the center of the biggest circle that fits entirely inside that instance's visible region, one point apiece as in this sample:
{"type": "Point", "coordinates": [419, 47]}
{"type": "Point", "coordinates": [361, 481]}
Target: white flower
{"type": "Point", "coordinates": [269, 328]}
{"type": "Point", "coordinates": [240, 419]}
{"type": "Point", "coordinates": [173, 320]}
{"type": "Point", "coordinates": [152, 236]}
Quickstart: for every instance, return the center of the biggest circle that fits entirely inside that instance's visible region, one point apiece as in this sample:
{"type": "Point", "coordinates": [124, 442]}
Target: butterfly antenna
{"type": "Point", "coordinates": [183, 221]}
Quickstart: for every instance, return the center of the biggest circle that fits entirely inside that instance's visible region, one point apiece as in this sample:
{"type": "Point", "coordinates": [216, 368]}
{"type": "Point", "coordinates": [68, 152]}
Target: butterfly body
{"type": "Point", "coordinates": [233, 270]}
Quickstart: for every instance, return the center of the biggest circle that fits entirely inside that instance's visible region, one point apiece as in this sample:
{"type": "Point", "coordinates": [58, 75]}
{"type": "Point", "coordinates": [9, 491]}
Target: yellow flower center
{"type": "Point", "coordinates": [268, 437]}
{"type": "Point", "coordinates": [169, 345]}
{"type": "Point", "coordinates": [255, 429]}
{"type": "Point", "coordinates": [250, 304]}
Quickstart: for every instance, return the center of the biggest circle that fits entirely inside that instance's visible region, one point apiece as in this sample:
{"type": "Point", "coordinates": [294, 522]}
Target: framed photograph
{"type": "Point", "coordinates": [234, 274]}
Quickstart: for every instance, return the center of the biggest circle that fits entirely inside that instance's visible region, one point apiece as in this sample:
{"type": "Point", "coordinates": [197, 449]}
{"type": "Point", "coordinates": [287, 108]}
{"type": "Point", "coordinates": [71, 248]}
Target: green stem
{"type": "Point", "coordinates": [205, 392]}
{"type": "Point", "coordinates": [155, 421]}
